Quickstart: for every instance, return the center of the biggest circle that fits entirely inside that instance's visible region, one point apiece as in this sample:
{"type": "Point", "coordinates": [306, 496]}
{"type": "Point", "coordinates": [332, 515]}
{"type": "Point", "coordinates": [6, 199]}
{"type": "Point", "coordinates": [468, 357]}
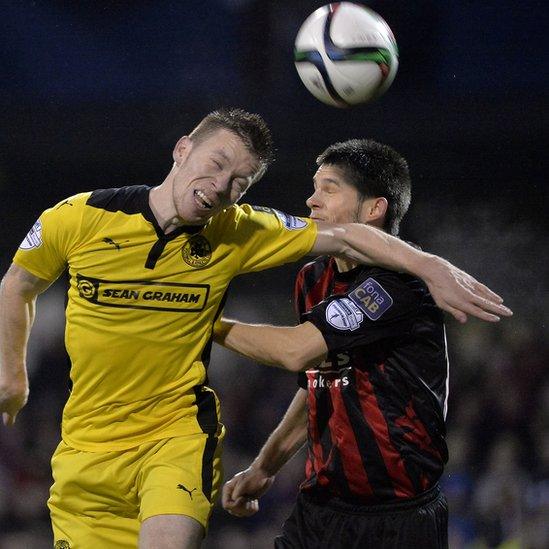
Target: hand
{"type": "Point", "coordinates": [12, 399]}
{"type": "Point", "coordinates": [241, 493]}
{"type": "Point", "coordinates": [460, 294]}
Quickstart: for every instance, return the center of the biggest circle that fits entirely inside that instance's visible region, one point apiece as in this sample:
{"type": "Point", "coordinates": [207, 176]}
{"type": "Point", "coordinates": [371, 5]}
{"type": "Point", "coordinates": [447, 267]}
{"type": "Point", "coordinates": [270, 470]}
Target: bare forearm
{"type": "Point", "coordinates": [368, 245]}
{"type": "Point", "coordinates": [286, 439]}
{"type": "Point", "coordinates": [293, 348]}
{"type": "Point", "coordinates": [452, 289]}
{"type": "Point", "coordinates": [258, 342]}
{"type": "Point", "coordinates": [18, 293]}
{"type": "Point", "coordinates": [241, 493]}
{"type": "Point", "coordinates": [16, 318]}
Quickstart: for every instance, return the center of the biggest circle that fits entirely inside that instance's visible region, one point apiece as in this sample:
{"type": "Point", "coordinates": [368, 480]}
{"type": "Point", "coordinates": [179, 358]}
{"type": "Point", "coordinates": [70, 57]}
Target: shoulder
{"type": "Point", "coordinates": [76, 200]}
{"type": "Point", "coordinates": [263, 216]}
{"type": "Point", "coordinates": [405, 282]}
{"type": "Point", "coordinates": [67, 209]}
{"type": "Point", "coordinates": [393, 289]}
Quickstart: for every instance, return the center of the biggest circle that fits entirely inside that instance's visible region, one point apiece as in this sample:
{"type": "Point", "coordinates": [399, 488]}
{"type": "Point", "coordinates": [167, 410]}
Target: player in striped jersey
{"type": "Point", "coordinates": [372, 398]}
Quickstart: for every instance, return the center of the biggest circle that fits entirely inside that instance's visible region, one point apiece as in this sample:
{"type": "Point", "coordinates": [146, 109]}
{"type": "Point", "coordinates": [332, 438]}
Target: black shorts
{"type": "Point", "coordinates": [418, 523]}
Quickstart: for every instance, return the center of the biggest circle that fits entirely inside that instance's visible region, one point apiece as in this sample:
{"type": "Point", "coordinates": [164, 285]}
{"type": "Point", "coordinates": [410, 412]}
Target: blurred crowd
{"type": "Point", "coordinates": [496, 482]}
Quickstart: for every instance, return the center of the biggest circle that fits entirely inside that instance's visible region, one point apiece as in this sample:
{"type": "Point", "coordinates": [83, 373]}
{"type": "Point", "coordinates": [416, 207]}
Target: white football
{"type": "Point", "coordinates": [346, 54]}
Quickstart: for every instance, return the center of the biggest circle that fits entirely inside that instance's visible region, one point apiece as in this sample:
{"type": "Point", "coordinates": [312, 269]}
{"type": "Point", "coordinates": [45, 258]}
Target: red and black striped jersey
{"type": "Point", "coordinates": [376, 406]}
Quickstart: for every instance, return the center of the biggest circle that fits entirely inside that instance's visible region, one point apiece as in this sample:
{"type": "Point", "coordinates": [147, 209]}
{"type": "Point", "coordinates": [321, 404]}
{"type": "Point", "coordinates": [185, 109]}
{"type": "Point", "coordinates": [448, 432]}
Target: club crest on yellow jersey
{"type": "Point", "coordinates": [197, 251]}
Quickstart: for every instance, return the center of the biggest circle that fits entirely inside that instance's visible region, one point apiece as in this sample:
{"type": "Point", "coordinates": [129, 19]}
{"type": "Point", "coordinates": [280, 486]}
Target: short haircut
{"type": "Point", "coordinates": [376, 170]}
{"type": "Point", "coordinates": [249, 127]}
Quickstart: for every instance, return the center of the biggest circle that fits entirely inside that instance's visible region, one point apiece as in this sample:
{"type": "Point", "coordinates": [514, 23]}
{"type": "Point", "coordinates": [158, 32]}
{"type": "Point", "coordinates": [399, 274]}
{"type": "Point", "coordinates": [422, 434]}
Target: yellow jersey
{"type": "Point", "coordinates": [142, 304]}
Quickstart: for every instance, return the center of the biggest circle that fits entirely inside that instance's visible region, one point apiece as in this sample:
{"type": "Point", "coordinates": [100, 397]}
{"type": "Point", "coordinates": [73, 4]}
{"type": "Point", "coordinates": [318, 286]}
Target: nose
{"type": "Point", "coordinates": [222, 185]}
{"type": "Point", "coordinates": [313, 201]}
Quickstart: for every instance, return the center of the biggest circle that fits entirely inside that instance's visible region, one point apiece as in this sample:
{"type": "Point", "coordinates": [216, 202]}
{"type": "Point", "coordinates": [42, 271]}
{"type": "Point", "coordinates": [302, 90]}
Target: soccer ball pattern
{"type": "Point", "coordinates": [346, 54]}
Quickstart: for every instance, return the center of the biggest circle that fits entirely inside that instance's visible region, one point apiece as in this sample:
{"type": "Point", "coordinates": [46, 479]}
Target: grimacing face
{"type": "Point", "coordinates": [211, 175]}
{"type": "Point", "coordinates": [334, 199]}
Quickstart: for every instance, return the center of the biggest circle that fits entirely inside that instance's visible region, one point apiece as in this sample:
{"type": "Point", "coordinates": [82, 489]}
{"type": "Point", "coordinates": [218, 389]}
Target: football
{"type": "Point", "coordinates": [346, 54]}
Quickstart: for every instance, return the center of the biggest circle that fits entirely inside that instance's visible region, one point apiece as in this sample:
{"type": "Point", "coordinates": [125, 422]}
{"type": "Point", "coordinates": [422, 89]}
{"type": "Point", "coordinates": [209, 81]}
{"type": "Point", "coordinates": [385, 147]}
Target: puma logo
{"type": "Point", "coordinates": [113, 243]}
{"type": "Point", "coordinates": [190, 492]}
{"type": "Point", "coordinates": [66, 202]}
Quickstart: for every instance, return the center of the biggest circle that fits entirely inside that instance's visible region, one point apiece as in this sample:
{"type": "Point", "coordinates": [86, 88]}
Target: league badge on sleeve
{"type": "Point", "coordinates": [343, 314]}
{"type": "Point", "coordinates": [291, 222]}
{"type": "Point", "coordinates": [33, 238]}
{"type": "Point", "coordinates": [371, 298]}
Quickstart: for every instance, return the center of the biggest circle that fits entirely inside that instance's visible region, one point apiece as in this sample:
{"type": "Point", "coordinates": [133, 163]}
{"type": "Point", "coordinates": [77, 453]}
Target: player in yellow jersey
{"type": "Point", "coordinates": [139, 459]}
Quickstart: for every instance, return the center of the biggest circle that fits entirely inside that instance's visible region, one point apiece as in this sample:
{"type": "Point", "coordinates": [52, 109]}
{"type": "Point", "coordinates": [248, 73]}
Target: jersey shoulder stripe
{"type": "Point", "coordinates": [130, 200]}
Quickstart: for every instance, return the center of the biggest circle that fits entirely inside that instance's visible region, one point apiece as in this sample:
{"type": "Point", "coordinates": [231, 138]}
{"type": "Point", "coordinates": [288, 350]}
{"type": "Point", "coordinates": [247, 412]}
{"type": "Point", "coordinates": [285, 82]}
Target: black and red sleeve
{"type": "Point", "coordinates": [382, 305]}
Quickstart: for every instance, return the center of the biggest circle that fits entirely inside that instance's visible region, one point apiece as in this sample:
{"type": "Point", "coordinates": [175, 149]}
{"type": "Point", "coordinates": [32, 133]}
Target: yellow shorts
{"type": "Point", "coordinates": [99, 499]}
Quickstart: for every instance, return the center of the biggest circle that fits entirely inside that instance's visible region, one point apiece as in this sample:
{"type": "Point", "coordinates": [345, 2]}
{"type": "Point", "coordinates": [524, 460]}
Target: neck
{"type": "Point", "coordinates": [162, 206]}
{"type": "Point", "coordinates": [344, 264]}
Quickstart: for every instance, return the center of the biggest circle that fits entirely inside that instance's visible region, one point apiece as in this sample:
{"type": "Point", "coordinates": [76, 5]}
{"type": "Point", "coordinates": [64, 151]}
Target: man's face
{"type": "Point", "coordinates": [211, 175]}
{"type": "Point", "coordinates": [334, 200]}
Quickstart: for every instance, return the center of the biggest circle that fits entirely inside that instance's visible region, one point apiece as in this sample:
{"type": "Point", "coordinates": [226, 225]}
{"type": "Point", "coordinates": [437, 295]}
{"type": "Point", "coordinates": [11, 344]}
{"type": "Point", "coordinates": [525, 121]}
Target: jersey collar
{"type": "Point", "coordinates": [148, 214]}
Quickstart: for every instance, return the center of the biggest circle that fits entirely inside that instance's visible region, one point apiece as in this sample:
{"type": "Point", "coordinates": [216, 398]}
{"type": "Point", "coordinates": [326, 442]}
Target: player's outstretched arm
{"type": "Point", "coordinates": [18, 293]}
{"type": "Point", "coordinates": [292, 348]}
{"type": "Point", "coordinates": [241, 493]}
{"type": "Point", "coordinates": [452, 289]}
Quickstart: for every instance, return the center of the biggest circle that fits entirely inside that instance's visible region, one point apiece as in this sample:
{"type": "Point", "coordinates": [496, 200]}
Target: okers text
{"type": "Point", "coordinates": [323, 378]}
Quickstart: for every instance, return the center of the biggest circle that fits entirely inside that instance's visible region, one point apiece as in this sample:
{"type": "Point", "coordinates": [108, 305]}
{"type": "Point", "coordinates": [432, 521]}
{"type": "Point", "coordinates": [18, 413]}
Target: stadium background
{"type": "Point", "coordinates": [95, 95]}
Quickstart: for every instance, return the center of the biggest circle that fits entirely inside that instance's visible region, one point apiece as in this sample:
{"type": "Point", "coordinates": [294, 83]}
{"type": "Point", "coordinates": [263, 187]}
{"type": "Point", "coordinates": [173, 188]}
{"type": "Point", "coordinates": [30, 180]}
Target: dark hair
{"type": "Point", "coordinates": [251, 128]}
{"type": "Point", "coordinates": [375, 170]}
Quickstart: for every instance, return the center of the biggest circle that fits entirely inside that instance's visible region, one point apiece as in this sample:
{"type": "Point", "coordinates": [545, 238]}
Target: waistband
{"type": "Point", "coordinates": [337, 504]}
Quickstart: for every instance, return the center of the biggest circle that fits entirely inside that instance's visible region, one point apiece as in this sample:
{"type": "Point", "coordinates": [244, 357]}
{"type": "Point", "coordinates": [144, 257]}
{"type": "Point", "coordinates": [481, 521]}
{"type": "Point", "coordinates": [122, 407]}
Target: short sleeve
{"type": "Point", "coordinates": [45, 249]}
{"type": "Point", "coordinates": [383, 305]}
{"type": "Point", "coordinates": [269, 238]}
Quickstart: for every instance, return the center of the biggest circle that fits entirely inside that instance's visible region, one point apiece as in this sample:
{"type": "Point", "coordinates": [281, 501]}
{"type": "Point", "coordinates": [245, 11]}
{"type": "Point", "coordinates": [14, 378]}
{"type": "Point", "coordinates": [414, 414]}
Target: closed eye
{"type": "Point", "coordinates": [240, 185]}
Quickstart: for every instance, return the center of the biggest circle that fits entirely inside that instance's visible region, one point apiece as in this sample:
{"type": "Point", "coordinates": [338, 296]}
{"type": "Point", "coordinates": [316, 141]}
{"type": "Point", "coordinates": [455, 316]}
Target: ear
{"type": "Point", "coordinates": [182, 149]}
{"type": "Point", "coordinates": [374, 210]}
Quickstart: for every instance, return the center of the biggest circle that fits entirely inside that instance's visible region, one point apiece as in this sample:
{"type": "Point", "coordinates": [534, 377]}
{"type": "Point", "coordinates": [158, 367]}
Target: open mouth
{"type": "Point", "coordinates": [202, 200]}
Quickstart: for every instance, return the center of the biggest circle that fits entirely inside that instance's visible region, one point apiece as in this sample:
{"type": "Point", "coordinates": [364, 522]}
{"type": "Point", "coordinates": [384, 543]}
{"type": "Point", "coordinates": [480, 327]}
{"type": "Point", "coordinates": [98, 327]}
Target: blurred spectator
{"type": "Point", "coordinates": [458, 483]}
{"type": "Point", "coordinates": [499, 492]}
